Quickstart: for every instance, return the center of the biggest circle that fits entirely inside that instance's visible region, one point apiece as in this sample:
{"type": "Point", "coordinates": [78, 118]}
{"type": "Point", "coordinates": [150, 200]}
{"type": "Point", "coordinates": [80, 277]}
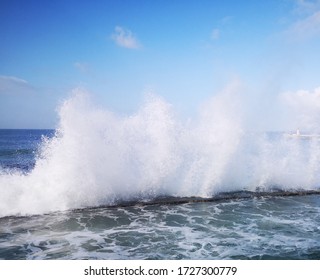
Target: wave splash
{"type": "Point", "coordinates": [100, 158]}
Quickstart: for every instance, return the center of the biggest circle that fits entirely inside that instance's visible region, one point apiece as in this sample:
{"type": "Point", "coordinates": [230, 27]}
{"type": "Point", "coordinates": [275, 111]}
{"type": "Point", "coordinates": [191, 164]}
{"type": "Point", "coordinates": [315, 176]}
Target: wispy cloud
{"type": "Point", "coordinates": [226, 20]}
{"type": "Point", "coordinates": [306, 6]}
{"type": "Point", "coordinates": [215, 34]}
{"type": "Point", "coordinates": [307, 21]}
{"type": "Point", "coordinates": [81, 66]}
{"type": "Point", "coordinates": [305, 28]}
{"type": "Point", "coordinates": [124, 38]}
{"type": "Point", "coordinates": [14, 85]}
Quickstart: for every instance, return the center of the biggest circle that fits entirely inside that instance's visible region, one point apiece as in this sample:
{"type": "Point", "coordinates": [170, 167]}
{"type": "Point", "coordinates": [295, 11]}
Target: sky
{"type": "Point", "coordinates": [183, 51]}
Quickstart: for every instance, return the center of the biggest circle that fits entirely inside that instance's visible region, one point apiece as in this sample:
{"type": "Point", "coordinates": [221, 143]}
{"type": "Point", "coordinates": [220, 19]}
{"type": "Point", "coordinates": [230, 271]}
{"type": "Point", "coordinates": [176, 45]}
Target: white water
{"type": "Point", "coordinates": [98, 157]}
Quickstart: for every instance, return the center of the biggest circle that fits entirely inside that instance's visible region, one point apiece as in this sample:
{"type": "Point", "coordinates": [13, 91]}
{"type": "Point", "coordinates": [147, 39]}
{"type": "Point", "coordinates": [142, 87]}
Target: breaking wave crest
{"type": "Point", "coordinates": [100, 158]}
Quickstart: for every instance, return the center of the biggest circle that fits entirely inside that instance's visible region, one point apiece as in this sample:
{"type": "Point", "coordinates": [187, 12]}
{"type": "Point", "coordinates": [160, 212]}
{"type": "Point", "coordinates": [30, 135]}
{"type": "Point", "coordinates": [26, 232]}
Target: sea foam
{"type": "Point", "coordinates": [98, 157]}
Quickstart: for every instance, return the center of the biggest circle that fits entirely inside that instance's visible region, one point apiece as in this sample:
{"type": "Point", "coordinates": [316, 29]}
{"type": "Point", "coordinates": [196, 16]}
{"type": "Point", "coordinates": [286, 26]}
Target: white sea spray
{"type": "Point", "coordinates": [100, 158]}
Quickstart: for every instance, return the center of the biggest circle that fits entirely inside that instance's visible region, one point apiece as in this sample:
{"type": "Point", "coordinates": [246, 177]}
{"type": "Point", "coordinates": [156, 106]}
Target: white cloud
{"type": "Point", "coordinates": [10, 84]}
{"type": "Point", "coordinates": [82, 67]}
{"type": "Point", "coordinates": [12, 79]}
{"type": "Point", "coordinates": [307, 21]}
{"type": "Point", "coordinates": [226, 20]}
{"type": "Point", "coordinates": [215, 34]}
{"type": "Point", "coordinates": [305, 28]}
{"type": "Point", "coordinates": [124, 38]}
{"type": "Point", "coordinates": [307, 6]}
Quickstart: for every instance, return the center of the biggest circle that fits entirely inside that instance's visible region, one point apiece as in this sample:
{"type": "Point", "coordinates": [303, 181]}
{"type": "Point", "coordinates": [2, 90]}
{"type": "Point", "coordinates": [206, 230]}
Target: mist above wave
{"type": "Point", "coordinates": [98, 157]}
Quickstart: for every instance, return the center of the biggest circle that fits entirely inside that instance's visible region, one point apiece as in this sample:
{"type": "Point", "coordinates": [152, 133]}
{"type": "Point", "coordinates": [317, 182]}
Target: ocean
{"type": "Point", "coordinates": [104, 186]}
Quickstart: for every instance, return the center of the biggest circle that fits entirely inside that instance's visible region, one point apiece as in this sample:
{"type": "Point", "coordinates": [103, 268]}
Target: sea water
{"type": "Point", "coordinates": [276, 228]}
{"type": "Point", "coordinates": [105, 186]}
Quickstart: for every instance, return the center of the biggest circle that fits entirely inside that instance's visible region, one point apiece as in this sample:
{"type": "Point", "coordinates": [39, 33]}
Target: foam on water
{"type": "Point", "coordinates": [275, 228]}
{"type": "Point", "coordinates": [100, 158]}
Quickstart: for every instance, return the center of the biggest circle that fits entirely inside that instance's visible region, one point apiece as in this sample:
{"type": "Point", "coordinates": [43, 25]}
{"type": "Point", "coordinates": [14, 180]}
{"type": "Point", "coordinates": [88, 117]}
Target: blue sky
{"type": "Point", "coordinates": [185, 51]}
